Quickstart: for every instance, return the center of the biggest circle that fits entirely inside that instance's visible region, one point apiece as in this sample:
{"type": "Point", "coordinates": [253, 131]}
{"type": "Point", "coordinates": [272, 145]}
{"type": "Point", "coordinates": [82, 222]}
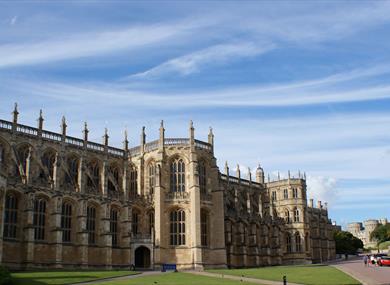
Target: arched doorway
{"type": "Point", "coordinates": [142, 257]}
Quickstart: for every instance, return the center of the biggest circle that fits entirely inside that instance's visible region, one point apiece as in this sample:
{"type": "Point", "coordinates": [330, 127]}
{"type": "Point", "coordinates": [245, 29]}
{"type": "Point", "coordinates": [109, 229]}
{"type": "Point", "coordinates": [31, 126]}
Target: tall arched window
{"type": "Point", "coordinates": [133, 181]}
{"type": "Point", "coordinates": [288, 243]}
{"type": "Point", "coordinates": [113, 185]}
{"type": "Point", "coordinates": [91, 225]}
{"type": "Point", "coordinates": [22, 156]}
{"type": "Point", "coordinates": [296, 215]}
{"type": "Point", "coordinates": [93, 177]}
{"type": "Point", "coordinates": [287, 216]}
{"type": "Point", "coordinates": [298, 247]}
{"type": "Point", "coordinates": [177, 227]}
{"type": "Point", "coordinates": [10, 216]}
{"type": "Point", "coordinates": [48, 160]}
{"type": "Point", "coordinates": [66, 222]}
{"type": "Point", "coordinates": [135, 222]}
{"type": "Point", "coordinates": [39, 219]}
{"type": "Point", "coordinates": [178, 176]}
{"type": "Point", "coordinates": [202, 177]}
{"type": "Point", "coordinates": [204, 227]}
{"type": "Point", "coordinates": [151, 221]}
{"type": "Point", "coordinates": [151, 177]}
{"type": "Point", "coordinates": [114, 227]}
{"type": "Point", "coordinates": [72, 171]}
{"type": "Point", "coordinates": [295, 193]}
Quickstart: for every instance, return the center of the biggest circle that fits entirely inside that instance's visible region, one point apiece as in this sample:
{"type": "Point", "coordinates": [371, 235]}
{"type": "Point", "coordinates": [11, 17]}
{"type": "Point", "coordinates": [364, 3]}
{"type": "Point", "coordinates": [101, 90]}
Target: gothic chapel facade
{"type": "Point", "coordinates": [67, 202]}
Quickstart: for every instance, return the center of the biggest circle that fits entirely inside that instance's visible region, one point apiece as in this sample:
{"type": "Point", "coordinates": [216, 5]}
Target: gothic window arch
{"type": "Point", "coordinates": [296, 215]}
{"type": "Point", "coordinates": [178, 175]}
{"type": "Point", "coordinates": [204, 227]}
{"type": "Point", "coordinates": [114, 229]}
{"type": "Point", "coordinates": [202, 171]}
{"type": "Point", "coordinates": [39, 219]}
{"type": "Point", "coordinates": [66, 222]}
{"type": "Point", "coordinates": [285, 193]}
{"type": "Point", "coordinates": [133, 181]}
{"type": "Point", "coordinates": [93, 176]}
{"type": "Point", "coordinates": [288, 243]}
{"type": "Point", "coordinates": [151, 177]}
{"type": "Point", "coordinates": [72, 175]}
{"type": "Point", "coordinates": [287, 216]}
{"type": "Point", "coordinates": [113, 184]}
{"type": "Point", "coordinates": [23, 153]}
{"type": "Point", "coordinates": [295, 193]}
{"type": "Point", "coordinates": [298, 242]}
{"type": "Point", "coordinates": [10, 217]}
{"type": "Point", "coordinates": [177, 227]}
{"type": "Point", "coordinates": [91, 225]}
{"type": "Point", "coordinates": [48, 160]}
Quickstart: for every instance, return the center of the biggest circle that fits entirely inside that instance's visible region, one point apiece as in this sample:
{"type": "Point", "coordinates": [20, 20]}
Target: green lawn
{"type": "Point", "coordinates": [63, 277]}
{"type": "Point", "coordinates": [304, 274]}
{"type": "Point", "coordinates": [177, 279]}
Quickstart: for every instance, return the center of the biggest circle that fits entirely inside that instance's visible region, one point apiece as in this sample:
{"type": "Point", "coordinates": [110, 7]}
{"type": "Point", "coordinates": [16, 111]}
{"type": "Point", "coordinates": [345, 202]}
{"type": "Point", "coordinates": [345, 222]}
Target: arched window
{"type": "Point", "coordinates": [296, 215]}
{"type": "Point", "coordinates": [298, 247]}
{"type": "Point", "coordinates": [22, 156]}
{"type": "Point", "coordinates": [113, 184]}
{"type": "Point", "coordinates": [93, 177]}
{"type": "Point", "coordinates": [10, 216]}
{"type": "Point", "coordinates": [151, 177]}
{"type": "Point", "coordinates": [204, 227]}
{"type": "Point", "coordinates": [48, 160]}
{"type": "Point", "coordinates": [91, 225]}
{"type": "Point", "coordinates": [285, 193]}
{"type": "Point", "coordinates": [288, 243]}
{"type": "Point", "coordinates": [135, 222]}
{"type": "Point", "coordinates": [133, 181]}
{"type": "Point", "coordinates": [273, 196]}
{"type": "Point", "coordinates": [114, 227]}
{"type": "Point", "coordinates": [287, 216]}
{"type": "Point", "coordinates": [295, 193]}
{"type": "Point", "coordinates": [151, 221]}
{"type": "Point", "coordinates": [202, 177]}
{"type": "Point", "coordinates": [178, 176]}
{"type": "Point", "coordinates": [39, 219]}
{"type": "Point", "coordinates": [177, 227]}
{"type": "Point", "coordinates": [66, 222]}
{"type": "Point", "coordinates": [72, 171]}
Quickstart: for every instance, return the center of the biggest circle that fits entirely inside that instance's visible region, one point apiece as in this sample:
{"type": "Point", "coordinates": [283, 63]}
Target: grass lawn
{"type": "Point", "coordinates": [177, 279]}
{"type": "Point", "coordinates": [63, 277]}
{"type": "Point", "coordinates": [304, 274]}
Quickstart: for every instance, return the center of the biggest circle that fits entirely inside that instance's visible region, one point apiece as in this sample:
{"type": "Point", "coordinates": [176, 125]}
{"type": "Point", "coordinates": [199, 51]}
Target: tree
{"type": "Point", "coordinates": [381, 234]}
{"type": "Point", "coordinates": [346, 243]}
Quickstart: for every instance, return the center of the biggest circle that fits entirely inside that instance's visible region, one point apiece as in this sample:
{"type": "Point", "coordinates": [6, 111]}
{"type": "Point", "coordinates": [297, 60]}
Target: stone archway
{"type": "Point", "coordinates": [142, 257]}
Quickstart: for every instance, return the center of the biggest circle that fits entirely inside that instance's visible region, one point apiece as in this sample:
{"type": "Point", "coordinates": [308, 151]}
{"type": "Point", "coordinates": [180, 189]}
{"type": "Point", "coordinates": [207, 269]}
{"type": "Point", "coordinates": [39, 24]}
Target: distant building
{"type": "Point", "coordinates": [364, 230]}
{"type": "Point", "coordinates": [69, 202]}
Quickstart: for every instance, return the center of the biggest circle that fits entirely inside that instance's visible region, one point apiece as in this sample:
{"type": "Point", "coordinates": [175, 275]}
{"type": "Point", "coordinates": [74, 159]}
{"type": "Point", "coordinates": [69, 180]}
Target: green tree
{"type": "Point", "coordinates": [381, 234]}
{"type": "Point", "coordinates": [346, 243]}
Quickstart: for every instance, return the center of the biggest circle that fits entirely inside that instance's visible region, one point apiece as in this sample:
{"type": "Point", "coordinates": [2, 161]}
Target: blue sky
{"type": "Point", "coordinates": [291, 85]}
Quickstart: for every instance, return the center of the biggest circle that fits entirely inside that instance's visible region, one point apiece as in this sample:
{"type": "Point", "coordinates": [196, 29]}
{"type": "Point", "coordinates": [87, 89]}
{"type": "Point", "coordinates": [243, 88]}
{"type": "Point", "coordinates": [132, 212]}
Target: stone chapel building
{"type": "Point", "coordinates": [67, 202]}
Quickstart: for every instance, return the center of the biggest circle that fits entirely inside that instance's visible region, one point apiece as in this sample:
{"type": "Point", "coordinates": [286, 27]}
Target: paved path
{"type": "Point", "coordinates": [370, 275]}
{"type": "Point", "coordinates": [102, 281]}
{"type": "Point", "coordinates": [238, 278]}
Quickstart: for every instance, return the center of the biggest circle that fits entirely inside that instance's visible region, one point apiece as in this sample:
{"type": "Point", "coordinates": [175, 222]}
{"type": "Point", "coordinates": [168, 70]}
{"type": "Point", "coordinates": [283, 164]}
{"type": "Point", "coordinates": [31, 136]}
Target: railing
{"type": "Point", "coordinates": [51, 136]}
{"type": "Point", "coordinates": [203, 145]}
{"type": "Point", "coordinates": [27, 130]}
{"type": "Point", "coordinates": [177, 195]}
{"type": "Point", "coordinates": [74, 141]}
{"type": "Point", "coordinates": [236, 180]}
{"type": "Point", "coordinates": [5, 125]}
{"type": "Point", "coordinates": [176, 141]}
{"type": "Point", "coordinates": [95, 146]}
{"type": "Point", "coordinates": [115, 151]}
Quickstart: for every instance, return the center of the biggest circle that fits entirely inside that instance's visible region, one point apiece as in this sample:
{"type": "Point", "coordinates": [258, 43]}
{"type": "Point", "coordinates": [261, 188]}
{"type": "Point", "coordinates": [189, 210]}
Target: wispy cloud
{"type": "Point", "coordinates": [214, 55]}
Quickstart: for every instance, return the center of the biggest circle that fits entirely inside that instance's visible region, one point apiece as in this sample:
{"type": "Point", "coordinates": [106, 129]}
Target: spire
{"type": "Point", "coordinates": [211, 138]}
{"type": "Point", "coordinates": [238, 171]}
{"type": "Point", "coordinates": [126, 141]}
{"type": "Point", "coordinates": [226, 168]}
{"type": "Point", "coordinates": [269, 178]}
{"type": "Point", "coordinates": [249, 174]}
{"type": "Point", "coordinates": [162, 137]}
{"type": "Point", "coordinates": [63, 126]}
{"type": "Point", "coordinates": [15, 114]}
{"type": "Point", "coordinates": [260, 174]}
{"type": "Point", "coordinates": [289, 175]}
{"type": "Point", "coordinates": [40, 120]}
{"type": "Point", "coordinates": [105, 137]}
{"type": "Point", "coordinates": [299, 174]}
{"type": "Point", "coordinates": [143, 136]}
{"type": "Point", "coordinates": [278, 176]}
{"type": "Point", "coordinates": [304, 175]}
{"type": "Point", "coordinates": [85, 131]}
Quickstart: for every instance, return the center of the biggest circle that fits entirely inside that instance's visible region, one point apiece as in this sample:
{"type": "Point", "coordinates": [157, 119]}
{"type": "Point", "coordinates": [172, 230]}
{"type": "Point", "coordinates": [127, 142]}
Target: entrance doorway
{"type": "Point", "coordinates": [142, 257]}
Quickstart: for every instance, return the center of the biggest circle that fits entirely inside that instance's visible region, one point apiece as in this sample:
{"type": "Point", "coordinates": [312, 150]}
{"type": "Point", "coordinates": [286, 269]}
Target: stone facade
{"type": "Point", "coordinates": [364, 230]}
{"type": "Point", "coordinates": [69, 202]}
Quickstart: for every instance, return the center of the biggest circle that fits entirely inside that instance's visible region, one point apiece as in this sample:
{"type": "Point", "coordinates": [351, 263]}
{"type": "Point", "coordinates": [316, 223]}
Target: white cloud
{"type": "Point", "coordinates": [214, 55]}
{"type": "Point", "coordinates": [322, 188]}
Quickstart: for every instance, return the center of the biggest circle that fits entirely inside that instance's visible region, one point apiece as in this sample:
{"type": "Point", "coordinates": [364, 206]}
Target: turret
{"type": "Point", "coordinates": [259, 174]}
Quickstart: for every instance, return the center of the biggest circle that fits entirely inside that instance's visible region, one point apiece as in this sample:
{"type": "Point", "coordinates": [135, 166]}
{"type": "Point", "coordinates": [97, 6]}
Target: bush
{"type": "Point", "coordinates": [5, 276]}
